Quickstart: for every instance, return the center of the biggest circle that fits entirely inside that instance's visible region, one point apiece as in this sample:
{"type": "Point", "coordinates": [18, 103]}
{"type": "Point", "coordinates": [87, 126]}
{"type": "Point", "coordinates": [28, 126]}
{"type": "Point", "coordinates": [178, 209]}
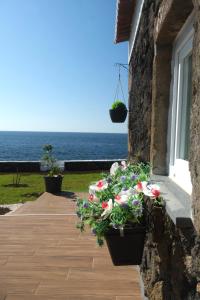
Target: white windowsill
{"type": "Point", "coordinates": [178, 202]}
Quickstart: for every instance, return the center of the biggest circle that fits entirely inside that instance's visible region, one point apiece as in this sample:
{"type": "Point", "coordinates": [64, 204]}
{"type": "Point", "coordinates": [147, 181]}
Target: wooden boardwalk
{"type": "Point", "coordinates": [44, 257]}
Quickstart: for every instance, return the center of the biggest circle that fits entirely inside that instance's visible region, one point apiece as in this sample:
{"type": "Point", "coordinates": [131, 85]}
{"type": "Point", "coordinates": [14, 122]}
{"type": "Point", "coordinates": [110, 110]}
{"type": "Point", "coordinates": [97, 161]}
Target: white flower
{"type": "Point", "coordinates": [140, 186]}
{"type": "Point", "coordinates": [92, 189]}
{"type": "Point", "coordinates": [107, 206]}
{"type": "Point", "coordinates": [121, 198]}
{"type": "Point", "coordinates": [152, 190]}
{"type": "Point", "coordinates": [114, 168]}
{"type": "Point", "coordinates": [123, 165]}
{"type": "Point", "coordinates": [99, 186]}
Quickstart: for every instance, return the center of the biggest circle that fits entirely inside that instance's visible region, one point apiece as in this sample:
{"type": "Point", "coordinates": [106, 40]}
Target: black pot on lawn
{"type": "Point", "coordinates": [126, 249]}
{"type": "Point", "coordinates": [118, 115]}
{"type": "Point", "coordinates": [53, 184]}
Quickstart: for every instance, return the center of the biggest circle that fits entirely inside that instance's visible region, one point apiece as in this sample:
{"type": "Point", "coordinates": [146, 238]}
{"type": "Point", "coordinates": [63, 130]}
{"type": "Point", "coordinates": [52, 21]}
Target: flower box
{"type": "Point", "coordinates": [116, 209]}
{"type": "Point", "coordinates": [126, 248]}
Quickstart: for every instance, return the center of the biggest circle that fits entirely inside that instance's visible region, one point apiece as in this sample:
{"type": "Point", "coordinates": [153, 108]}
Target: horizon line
{"type": "Point", "coordinates": [45, 131]}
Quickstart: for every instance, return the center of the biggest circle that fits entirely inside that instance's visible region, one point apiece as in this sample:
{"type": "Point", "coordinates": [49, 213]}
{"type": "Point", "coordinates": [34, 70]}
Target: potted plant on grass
{"type": "Point", "coordinates": [118, 112]}
{"type": "Point", "coordinates": [53, 180]}
{"type": "Point", "coordinates": [115, 211]}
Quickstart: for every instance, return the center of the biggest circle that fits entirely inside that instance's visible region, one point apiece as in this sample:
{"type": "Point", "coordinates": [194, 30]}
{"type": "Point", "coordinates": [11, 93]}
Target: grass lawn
{"type": "Point", "coordinates": [32, 185]}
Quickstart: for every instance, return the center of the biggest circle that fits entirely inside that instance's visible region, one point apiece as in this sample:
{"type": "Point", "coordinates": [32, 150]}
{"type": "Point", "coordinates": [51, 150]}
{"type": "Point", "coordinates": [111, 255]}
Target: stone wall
{"type": "Point", "coordinates": [19, 166]}
{"type": "Point", "coordinates": [169, 270]}
{"type": "Point", "coordinates": [140, 85]}
{"type": "Point", "coordinates": [171, 264]}
{"type": "Point", "coordinates": [195, 120]}
{"type": "Point", "coordinates": [68, 166]}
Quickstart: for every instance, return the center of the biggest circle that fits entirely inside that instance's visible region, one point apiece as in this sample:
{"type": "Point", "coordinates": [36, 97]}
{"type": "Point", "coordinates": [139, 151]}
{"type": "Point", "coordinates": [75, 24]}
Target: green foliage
{"type": "Point", "coordinates": [49, 161]}
{"type": "Point", "coordinates": [119, 105]}
{"type": "Point", "coordinates": [118, 199]}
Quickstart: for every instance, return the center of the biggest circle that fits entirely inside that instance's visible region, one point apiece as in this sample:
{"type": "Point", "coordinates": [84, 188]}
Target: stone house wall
{"type": "Point", "coordinates": [171, 264]}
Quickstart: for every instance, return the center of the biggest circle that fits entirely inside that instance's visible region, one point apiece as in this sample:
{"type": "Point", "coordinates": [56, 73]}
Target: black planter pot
{"type": "Point", "coordinates": [118, 115]}
{"type": "Point", "coordinates": [53, 184]}
{"type": "Point", "coordinates": [127, 249]}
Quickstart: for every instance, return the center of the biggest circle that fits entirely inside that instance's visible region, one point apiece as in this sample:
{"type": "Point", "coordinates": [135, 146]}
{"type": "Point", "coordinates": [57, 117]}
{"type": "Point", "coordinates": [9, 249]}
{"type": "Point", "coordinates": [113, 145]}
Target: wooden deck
{"type": "Point", "coordinates": [44, 257]}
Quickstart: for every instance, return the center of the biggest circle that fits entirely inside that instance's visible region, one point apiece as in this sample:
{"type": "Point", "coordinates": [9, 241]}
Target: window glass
{"type": "Point", "coordinates": [180, 107]}
{"type": "Point", "coordinates": [185, 108]}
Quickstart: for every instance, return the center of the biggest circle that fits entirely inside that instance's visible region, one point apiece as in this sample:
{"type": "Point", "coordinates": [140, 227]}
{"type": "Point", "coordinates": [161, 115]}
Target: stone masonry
{"type": "Point", "coordinates": [171, 262]}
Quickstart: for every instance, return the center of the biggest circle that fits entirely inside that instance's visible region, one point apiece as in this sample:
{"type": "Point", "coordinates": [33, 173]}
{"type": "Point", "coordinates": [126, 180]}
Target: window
{"type": "Point", "coordinates": [181, 107]}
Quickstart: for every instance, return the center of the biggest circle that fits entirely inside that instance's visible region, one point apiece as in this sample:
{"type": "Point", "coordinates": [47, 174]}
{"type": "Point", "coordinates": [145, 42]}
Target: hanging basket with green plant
{"type": "Point", "coordinates": [118, 112]}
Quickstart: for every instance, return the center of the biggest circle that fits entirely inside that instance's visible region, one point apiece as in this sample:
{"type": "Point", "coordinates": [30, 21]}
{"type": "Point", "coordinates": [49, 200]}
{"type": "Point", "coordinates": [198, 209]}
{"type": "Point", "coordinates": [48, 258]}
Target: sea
{"type": "Point", "coordinates": [27, 146]}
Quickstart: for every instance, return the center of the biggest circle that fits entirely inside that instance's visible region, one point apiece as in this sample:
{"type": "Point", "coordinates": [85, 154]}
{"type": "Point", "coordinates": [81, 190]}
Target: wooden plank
{"type": "Point", "coordinates": [44, 257]}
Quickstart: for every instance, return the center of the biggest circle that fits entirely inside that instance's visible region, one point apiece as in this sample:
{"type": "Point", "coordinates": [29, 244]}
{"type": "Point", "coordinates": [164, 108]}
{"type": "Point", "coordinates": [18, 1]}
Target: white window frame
{"type": "Point", "coordinates": [179, 168]}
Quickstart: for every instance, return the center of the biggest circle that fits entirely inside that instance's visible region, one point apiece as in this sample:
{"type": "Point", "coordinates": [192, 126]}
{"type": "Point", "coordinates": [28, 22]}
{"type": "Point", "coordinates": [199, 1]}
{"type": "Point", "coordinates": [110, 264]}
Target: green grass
{"type": "Point", "coordinates": [32, 185]}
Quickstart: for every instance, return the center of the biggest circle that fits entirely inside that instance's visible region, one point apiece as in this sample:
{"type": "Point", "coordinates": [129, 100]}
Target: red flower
{"type": "Point", "coordinates": [117, 197]}
{"type": "Point", "coordinates": [100, 184]}
{"type": "Point", "coordinates": [156, 193]}
{"type": "Point", "coordinates": [104, 205]}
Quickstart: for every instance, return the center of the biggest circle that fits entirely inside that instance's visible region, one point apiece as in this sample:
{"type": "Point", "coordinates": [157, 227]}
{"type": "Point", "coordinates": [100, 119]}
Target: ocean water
{"type": "Point", "coordinates": [27, 146]}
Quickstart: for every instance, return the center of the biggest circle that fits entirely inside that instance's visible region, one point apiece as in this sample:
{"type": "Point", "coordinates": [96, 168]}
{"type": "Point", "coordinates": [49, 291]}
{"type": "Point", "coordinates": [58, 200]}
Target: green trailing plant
{"type": "Point", "coordinates": [118, 199]}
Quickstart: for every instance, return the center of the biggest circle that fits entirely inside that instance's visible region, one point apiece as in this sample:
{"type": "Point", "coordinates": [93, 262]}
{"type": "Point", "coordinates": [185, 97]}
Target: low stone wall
{"type": "Point", "coordinates": [70, 165]}
{"type": "Point", "coordinates": [19, 166]}
{"type": "Point", "coordinates": [89, 165]}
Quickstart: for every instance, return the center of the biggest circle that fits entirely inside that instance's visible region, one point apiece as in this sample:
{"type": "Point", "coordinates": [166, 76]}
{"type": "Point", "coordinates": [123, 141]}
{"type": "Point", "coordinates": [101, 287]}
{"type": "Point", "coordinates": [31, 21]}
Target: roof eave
{"type": "Point", "coordinates": [124, 15]}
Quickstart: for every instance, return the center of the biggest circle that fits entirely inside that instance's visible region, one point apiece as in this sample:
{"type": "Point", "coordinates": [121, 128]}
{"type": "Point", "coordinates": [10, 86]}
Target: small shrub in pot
{"type": "Point", "coordinates": [53, 179]}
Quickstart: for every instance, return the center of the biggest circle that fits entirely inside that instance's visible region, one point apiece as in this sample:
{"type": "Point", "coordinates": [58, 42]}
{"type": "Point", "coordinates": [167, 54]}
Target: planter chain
{"type": "Point", "coordinates": [119, 85]}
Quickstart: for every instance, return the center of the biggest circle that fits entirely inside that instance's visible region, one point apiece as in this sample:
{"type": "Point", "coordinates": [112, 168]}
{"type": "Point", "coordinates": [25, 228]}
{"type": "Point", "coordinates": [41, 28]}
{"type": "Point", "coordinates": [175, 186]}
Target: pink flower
{"type": "Point", "coordinates": [156, 193]}
{"type": "Point", "coordinates": [91, 197]}
{"type": "Point", "coordinates": [107, 206]}
{"type": "Point", "coordinates": [140, 186]}
{"type": "Point", "coordinates": [101, 185]}
{"type": "Point", "coordinates": [152, 191]}
{"type": "Point", "coordinates": [120, 199]}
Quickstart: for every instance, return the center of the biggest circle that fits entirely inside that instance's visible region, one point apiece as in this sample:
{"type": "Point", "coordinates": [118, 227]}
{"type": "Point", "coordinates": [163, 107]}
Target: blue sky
{"type": "Point", "coordinates": [57, 68]}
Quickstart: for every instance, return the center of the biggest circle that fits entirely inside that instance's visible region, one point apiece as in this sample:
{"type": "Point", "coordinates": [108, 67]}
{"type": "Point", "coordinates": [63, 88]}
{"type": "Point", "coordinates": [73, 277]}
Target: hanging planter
{"type": "Point", "coordinates": [118, 112]}
{"type": "Point", "coordinates": [126, 247]}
